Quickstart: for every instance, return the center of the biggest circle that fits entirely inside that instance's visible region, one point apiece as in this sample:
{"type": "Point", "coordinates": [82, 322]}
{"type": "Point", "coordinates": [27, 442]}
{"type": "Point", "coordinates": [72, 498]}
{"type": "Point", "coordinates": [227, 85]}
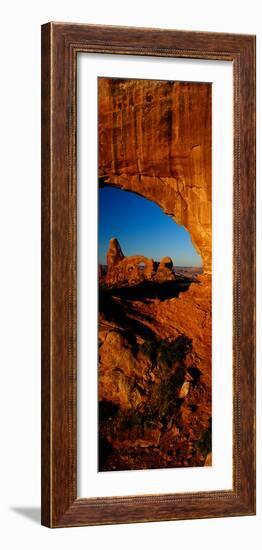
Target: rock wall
{"type": "Point", "coordinates": [155, 140]}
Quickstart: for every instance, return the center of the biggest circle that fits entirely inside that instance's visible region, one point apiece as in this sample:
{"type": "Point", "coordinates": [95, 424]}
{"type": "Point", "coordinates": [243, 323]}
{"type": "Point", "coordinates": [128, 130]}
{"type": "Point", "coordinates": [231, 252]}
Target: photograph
{"type": "Point", "coordinates": [148, 274]}
{"type": "Point", "coordinates": [130, 333]}
{"type": "Point", "coordinates": [154, 274]}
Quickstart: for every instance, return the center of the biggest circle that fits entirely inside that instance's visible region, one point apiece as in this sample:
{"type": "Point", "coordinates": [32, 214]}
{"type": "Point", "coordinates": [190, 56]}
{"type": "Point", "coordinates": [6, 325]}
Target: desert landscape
{"type": "Point", "coordinates": [155, 317]}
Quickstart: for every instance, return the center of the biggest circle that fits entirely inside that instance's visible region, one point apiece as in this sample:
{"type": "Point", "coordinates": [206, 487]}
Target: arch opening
{"type": "Point", "coordinates": [142, 229]}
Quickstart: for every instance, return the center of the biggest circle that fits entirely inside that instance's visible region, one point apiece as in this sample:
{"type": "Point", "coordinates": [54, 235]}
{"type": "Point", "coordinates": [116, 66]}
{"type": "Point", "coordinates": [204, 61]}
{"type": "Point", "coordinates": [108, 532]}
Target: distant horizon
{"type": "Point", "coordinates": [141, 227]}
{"type": "Point", "coordinates": [174, 266]}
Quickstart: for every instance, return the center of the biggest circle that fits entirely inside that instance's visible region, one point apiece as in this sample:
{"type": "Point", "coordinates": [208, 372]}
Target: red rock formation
{"type": "Point", "coordinates": [164, 271]}
{"type": "Point", "coordinates": [155, 343]}
{"type": "Point", "coordinates": [166, 262]}
{"type": "Point", "coordinates": [160, 386]}
{"type": "Point", "coordinates": [132, 270]}
{"type": "Point", "coordinates": [155, 140]}
{"type": "Point", "coordinates": [114, 253]}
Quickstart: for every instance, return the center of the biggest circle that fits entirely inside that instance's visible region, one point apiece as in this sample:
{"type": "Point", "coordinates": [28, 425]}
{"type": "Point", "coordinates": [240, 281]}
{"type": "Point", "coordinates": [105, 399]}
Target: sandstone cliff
{"type": "Point", "coordinates": [155, 140]}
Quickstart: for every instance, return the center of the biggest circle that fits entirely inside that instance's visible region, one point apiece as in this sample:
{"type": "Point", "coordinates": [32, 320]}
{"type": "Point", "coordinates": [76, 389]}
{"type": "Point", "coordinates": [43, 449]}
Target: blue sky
{"type": "Point", "coordinates": [141, 228]}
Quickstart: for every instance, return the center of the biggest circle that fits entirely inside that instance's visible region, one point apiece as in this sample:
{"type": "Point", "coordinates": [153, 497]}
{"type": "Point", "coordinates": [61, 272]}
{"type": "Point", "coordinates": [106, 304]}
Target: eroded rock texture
{"type": "Point", "coordinates": [114, 253]}
{"type": "Point", "coordinates": [155, 140]}
{"type": "Point", "coordinates": [132, 270]}
{"type": "Point", "coordinates": [154, 325]}
{"type": "Point", "coordinates": [155, 375]}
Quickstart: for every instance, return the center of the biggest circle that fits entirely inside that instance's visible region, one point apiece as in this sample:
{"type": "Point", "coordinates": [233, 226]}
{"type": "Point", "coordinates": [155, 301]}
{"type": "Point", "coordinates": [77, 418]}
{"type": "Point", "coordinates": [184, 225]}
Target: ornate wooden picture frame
{"type": "Point", "coordinates": [61, 43]}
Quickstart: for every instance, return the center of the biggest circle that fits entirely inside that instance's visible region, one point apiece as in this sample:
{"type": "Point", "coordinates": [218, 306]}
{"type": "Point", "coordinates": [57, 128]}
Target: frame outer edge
{"type": "Point", "coordinates": [58, 508]}
{"type": "Point", "coordinates": [46, 376]}
{"type": "Point", "coordinates": [247, 251]}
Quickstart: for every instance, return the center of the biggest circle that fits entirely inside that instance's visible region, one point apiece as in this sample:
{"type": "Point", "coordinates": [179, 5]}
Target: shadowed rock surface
{"type": "Point", "coordinates": [154, 367]}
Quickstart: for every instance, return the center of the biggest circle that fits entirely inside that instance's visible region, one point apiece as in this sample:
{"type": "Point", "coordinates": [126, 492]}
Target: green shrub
{"type": "Point", "coordinates": [204, 444]}
{"type": "Point", "coordinates": [168, 390]}
{"type": "Point", "coordinates": [171, 352]}
{"type": "Point", "coordinates": [166, 351]}
{"type": "Point", "coordinates": [163, 355]}
{"type": "Point", "coordinates": [150, 348]}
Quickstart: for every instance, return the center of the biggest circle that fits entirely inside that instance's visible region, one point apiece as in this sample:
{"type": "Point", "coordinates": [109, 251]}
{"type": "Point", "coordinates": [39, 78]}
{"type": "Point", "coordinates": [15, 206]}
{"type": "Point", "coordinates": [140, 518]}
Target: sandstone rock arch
{"type": "Point", "coordinates": [155, 140]}
{"type": "Point", "coordinates": [128, 270]}
{"type": "Point", "coordinates": [132, 270]}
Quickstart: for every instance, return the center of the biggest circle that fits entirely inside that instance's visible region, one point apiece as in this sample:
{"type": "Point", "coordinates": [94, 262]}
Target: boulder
{"type": "Point", "coordinates": [166, 262]}
{"type": "Point", "coordinates": [165, 270]}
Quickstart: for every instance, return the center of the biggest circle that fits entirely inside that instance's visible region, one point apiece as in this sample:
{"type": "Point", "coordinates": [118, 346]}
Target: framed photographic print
{"type": "Point", "coordinates": [148, 275]}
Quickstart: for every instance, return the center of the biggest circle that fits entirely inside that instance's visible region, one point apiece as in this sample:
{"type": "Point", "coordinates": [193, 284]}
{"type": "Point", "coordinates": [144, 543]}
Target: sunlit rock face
{"type": "Point", "coordinates": [132, 270]}
{"type": "Point", "coordinates": [155, 140]}
{"type": "Point", "coordinates": [114, 253]}
{"type": "Point", "coordinates": [164, 270]}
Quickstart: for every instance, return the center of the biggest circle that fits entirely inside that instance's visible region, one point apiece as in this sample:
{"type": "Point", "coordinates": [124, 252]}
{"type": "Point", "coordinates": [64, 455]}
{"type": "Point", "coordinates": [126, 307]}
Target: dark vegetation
{"type": "Point", "coordinates": [162, 409]}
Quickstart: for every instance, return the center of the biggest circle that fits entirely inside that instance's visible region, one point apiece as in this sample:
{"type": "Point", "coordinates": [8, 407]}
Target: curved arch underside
{"type": "Point", "coordinates": [155, 140]}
